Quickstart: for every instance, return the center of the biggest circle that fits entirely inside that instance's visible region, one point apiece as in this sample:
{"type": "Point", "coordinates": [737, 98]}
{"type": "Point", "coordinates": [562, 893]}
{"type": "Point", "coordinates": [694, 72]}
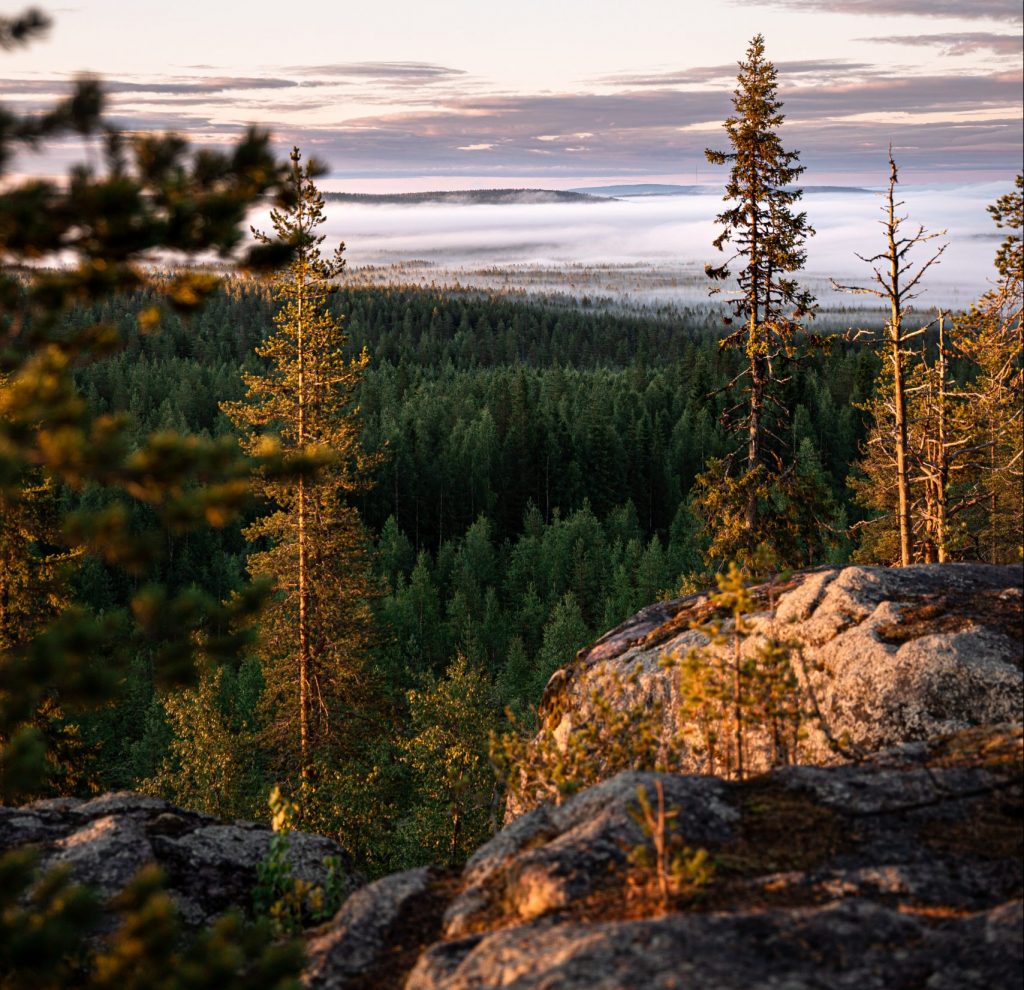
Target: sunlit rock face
{"type": "Point", "coordinates": [896, 861]}
{"type": "Point", "coordinates": [210, 865]}
{"type": "Point", "coordinates": [884, 656]}
{"type": "Point", "coordinates": [902, 870]}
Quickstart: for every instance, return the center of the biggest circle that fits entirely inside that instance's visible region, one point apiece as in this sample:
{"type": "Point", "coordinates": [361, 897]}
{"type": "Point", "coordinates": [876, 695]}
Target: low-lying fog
{"type": "Point", "coordinates": [663, 234]}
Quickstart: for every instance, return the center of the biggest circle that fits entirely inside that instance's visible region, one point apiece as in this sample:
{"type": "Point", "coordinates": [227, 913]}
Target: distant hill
{"type": "Point", "coordinates": [469, 197]}
{"type": "Point", "coordinates": [666, 189]}
{"type": "Point", "coordinates": [645, 189]}
{"type": "Point", "coordinates": [811, 190]}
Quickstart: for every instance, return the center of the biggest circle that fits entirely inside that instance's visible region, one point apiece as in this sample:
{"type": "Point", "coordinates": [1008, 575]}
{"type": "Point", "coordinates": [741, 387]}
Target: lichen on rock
{"type": "Point", "coordinates": [884, 656]}
{"type": "Point", "coordinates": [902, 870]}
{"type": "Point", "coordinates": [210, 866]}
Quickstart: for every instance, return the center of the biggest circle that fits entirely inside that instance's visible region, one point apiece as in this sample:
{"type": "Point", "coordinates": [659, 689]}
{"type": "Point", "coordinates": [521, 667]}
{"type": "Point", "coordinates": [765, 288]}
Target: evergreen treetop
{"type": "Point", "coordinates": [767, 237]}
{"type": "Point", "coordinates": [311, 544]}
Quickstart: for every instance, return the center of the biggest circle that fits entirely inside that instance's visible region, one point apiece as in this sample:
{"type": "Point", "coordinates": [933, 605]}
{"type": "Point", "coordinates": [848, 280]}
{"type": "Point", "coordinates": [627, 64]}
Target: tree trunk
{"type": "Point", "coordinates": [899, 393]}
{"type": "Point", "coordinates": [453, 849]}
{"type": "Point", "coordinates": [942, 459]}
{"type": "Point", "coordinates": [902, 480]}
{"type": "Point", "coordinates": [304, 658]}
{"type": "Point", "coordinates": [397, 520]}
{"type": "Point", "coordinates": [993, 500]}
{"type": "Point", "coordinates": [757, 382]}
{"type": "Point", "coordinates": [757, 387]}
{"type": "Point", "coordinates": [737, 701]}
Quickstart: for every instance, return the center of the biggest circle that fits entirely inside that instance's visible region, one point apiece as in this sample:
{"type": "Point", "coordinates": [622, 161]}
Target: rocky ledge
{"type": "Point", "coordinates": [209, 865]}
{"type": "Point", "coordinates": [901, 871]}
{"type": "Point", "coordinates": [886, 656]}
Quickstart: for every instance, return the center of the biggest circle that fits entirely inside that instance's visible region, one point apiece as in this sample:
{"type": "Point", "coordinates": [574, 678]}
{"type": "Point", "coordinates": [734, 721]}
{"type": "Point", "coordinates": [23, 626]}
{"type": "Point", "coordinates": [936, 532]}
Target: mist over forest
{"type": "Point", "coordinates": [673, 232]}
{"type": "Point", "coordinates": [455, 585]}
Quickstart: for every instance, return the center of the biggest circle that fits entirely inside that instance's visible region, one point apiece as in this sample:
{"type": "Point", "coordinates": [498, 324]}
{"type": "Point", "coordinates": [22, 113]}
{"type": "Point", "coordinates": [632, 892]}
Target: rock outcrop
{"type": "Point", "coordinates": [904, 870]}
{"type": "Point", "coordinates": [901, 867]}
{"type": "Point", "coordinates": [210, 865]}
{"type": "Point", "coordinates": [379, 932]}
{"type": "Point", "coordinates": [894, 861]}
{"type": "Point", "coordinates": [886, 655]}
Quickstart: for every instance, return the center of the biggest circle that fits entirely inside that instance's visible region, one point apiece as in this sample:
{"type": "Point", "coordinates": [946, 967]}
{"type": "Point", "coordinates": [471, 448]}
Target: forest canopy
{"type": "Point", "coordinates": [285, 546]}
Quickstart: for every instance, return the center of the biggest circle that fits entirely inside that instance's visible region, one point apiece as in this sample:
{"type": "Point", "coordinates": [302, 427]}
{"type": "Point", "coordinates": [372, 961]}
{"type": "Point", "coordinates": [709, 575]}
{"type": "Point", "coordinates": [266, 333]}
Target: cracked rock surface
{"type": "Point", "coordinates": [890, 655]}
{"type": "Point", "coordinates": [210, 865]}
{"type": "Point", "coordinates": [901, 871]}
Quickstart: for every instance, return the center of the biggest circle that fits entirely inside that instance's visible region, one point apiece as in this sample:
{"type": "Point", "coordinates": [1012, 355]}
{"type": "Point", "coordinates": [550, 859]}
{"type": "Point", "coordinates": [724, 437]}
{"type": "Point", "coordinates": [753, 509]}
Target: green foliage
{"type": "Point", "coordinates": [564, 633]}
{"type": "Point", "coordinates": [291, 904]}
{"type": "Point", "coordinates": [454, 790]}
{"type": "Point", "coordinates": [149, 194]}
{"type": "Point", "coordinates": [1008, 213]}
{"type": "Point", "coordinates": [723, 501]}
{"type": "Point", "coordinates": [46, 920]}
{"type": "Point", "coordinates": [315, 629]}
{"type": "Point", "coordinates": [664, 867]}
{"type": "Point", "coordinates": [212, 763]}
{"type": "Point", "coordinates": [741, 703]}
{"type": "Point", "coordinates": [762, 227]}
{"type": "Point", "coordinates": [620, 732]}
{"type": "Point", "coordinates": [797, 522]}
{"type": "Point", "coordinates": [276, 894]}
{"type": "Point", "coordinates": [146, 950]}
{"type": "Point", "coordinates": [43, 922]}
{"type": "Point", "coordinates": [991, 339]}
{"type": "Point", "coordinates": [959, 425]}
{"type": "Point", "coordinates": [358, 802]}
{"type": "Point", "coordinates": [318, 723]}
{"type": "Point", "coordinates": [541, 416]}
{"type": "Point", "coordinates": [768, 240]}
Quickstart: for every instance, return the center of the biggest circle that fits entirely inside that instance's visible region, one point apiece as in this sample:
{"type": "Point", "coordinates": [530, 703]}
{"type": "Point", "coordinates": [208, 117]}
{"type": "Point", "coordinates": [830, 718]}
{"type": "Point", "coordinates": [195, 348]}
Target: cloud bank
{"type": "Point", "coordinates": [996, 10]}
{"type": "Point", "coordinates": [956, 114]}
{"type": "Point", "coordinates": [666, 232]}
{"type": "Point", "coordinates": [966, 43]}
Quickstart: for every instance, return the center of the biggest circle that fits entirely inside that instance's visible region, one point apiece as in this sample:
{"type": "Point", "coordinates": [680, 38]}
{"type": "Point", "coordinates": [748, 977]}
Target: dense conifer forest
{"type": "Point", "coordinates": [534, 488]}
{"type": "Point", "coordinates": [288, 547]}
{"type": "Point", "coordinates": [533, 491]}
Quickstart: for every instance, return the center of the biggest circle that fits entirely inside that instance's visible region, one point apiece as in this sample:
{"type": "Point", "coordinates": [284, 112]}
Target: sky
{"type": "Point", "coordinates": [401, 94]}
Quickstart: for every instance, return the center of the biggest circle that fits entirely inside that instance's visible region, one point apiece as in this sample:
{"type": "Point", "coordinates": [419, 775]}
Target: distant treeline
{"type": "Point", "coordinates": [483, 405]}
{"type": "Point", "coordinates": [467, 197]}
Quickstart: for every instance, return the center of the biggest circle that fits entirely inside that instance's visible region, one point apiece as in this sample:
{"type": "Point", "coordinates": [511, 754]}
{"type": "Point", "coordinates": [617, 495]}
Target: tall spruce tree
{"type": "Point", "coordinates": [767, 237]}
{"type": "Point", "coordinates": [316, 629]}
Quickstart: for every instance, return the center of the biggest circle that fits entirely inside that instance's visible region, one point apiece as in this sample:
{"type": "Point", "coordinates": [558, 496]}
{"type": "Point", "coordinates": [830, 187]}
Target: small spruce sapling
{"type": "Point", "coordinates": [663, 864]}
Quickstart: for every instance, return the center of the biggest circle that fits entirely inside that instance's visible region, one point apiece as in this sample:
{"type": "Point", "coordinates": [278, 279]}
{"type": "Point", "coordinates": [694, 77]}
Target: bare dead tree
{"type": "Point", "coordinates": [896, 281]}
